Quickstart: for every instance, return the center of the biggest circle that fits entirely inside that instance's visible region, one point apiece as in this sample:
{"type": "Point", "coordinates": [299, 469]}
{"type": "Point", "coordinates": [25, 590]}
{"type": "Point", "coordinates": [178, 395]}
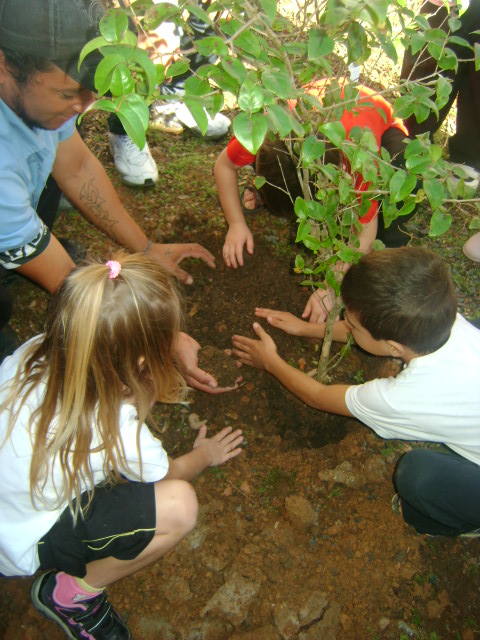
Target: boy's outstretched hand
{"type": "Point", "coordinates": [283, 320]}
{"type": "Point", "coordinates": [256, 353]}
{"type": "Point", "coordinates": [223, 446]}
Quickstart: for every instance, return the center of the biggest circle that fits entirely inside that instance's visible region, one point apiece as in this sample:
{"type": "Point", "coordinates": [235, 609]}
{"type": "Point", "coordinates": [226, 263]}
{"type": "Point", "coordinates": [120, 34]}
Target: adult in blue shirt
{"type": "Point", "coordinates": [42, 91]}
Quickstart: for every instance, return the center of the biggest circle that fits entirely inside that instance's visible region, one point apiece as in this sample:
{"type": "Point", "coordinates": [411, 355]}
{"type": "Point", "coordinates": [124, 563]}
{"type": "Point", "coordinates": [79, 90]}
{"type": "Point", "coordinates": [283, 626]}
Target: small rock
{"type": "Point", "coordinates": [233, 599]}
{"type": "Point", "coordinates": [343, 474]}
{"type": "Point", "coordinates": [245, 488]}
{"type": "Point", "coordinates": [383, 623]}
{"type": "Point", "coordinates": [194, 421]}
{"type": "Point", "coordinates": [300, 511]}
{"type": "Point", "coordinates": [314, 608]}
{"type": "Point", "coordinates": [286, 621]}
{"type": "Point", "coordinates": [434, 609]}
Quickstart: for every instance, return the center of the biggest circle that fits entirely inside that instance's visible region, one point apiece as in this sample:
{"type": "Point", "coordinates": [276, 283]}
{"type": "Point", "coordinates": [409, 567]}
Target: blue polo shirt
{"type": "Point", "coordinates": [26, 160]}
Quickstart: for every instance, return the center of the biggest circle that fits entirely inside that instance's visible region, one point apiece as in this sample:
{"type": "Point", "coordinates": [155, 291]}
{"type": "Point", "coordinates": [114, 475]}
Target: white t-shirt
{"type": "Point", "coordinates": [435, 398]}
{"type": "Point", "coordinates": [21, 523]}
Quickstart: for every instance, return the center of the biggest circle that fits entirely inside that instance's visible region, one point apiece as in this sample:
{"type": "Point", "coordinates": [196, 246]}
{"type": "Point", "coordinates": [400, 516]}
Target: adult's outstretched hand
{"type": "Point", "coordinates": [186, 357]}
{"type": "Point", "coordinates": [170, 256]}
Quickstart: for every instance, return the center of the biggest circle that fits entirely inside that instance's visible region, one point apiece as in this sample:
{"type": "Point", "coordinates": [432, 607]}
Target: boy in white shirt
{"type": "Point", "coordinates": [402, 303]}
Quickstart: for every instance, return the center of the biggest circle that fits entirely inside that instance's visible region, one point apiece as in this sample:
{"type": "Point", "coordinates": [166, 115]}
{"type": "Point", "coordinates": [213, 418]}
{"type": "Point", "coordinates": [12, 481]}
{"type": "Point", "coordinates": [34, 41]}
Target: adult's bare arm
{"type": "Point", "coordinates": [84, 181]}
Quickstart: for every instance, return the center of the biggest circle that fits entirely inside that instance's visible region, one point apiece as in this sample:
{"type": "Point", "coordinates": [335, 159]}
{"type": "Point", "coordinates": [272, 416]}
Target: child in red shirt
{"type": "Point", "coordinates": [370, 111]}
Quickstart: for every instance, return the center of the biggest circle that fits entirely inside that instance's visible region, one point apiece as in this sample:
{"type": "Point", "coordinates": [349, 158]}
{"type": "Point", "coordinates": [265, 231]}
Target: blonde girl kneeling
{"type": "Point", "coordinates": [88, 493]}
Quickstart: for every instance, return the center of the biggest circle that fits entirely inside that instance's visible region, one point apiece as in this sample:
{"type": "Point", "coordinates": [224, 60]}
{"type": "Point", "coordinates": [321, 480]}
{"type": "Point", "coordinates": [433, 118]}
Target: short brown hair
{"type": "Point", "coordinates": [277, 166]}
{"type": "Point", "coordinates": [405, 294]}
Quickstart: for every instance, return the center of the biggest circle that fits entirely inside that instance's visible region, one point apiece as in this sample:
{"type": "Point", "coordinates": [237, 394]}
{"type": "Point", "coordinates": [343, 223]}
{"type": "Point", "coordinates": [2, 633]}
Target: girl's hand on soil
{"type": "Point", "coordinates": [282, 320]}
{"type": "Point", "coordinates": [170, 255]}
{"type": "Point", "coordinates": [256, 353]}
{"type": "Point", "coordinates": [238, 236]}
{"type": "Point", "coordinates": [223, 446]}
{"type": "Point", "coordinates": [318, 305]}
{"type": "Point", "coordinates": [186, 356]}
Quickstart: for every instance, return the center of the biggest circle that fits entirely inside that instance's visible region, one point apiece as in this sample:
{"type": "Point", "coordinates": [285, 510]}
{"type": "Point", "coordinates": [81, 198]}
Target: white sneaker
{"type": "Point", "coordinates": [472, 248]}
{"type": "Point", "coordinates": [470, 176]}
{"type": "Point", "coordinates": [163, 117]}
{"type": "Point", "coordinates": [137, 167]}
{"type": "Point", "coordinates": [217, 126]}
{"type": "Point", "coordinates": [173, 117]}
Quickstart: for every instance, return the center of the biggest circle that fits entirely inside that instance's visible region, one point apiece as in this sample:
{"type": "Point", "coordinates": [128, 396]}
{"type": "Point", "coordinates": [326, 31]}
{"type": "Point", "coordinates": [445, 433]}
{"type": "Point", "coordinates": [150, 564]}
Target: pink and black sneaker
{"type": "Point", "coordinates": [88, 619]}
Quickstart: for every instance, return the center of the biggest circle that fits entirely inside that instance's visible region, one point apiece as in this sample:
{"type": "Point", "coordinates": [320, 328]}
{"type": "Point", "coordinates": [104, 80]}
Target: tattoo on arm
{"type": "Point", "coordinates": [91, 198]}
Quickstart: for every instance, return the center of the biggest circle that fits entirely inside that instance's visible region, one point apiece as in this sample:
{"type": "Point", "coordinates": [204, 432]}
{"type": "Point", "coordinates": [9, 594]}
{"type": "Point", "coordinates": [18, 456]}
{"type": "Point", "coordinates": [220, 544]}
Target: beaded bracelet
{"type": "Point", "coordinates": [149, 245]}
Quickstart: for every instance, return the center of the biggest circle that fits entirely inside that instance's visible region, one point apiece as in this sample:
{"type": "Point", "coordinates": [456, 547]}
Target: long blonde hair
{"type": "Point", "coordinates": [107, 340]}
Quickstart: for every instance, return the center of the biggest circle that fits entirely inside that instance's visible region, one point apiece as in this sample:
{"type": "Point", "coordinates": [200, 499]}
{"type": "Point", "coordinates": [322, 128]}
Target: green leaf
{"type": "Point", "coordinates": [133, 113]}
{"type": "Point", "coordinates": [334, 131]}
{"type": "Point", "coordinates": [177, 68]}
{"type": "Point", "coordinates": [224, 80]}
{"type": "Point", "coordinates": [122, 81]}
{"type": "Point", "coordinates": [303, 230]}
{"type": "Point", "coordinates": [196, 10]}
{"type": "Point", "coordinates": [91, 46]}
{"type": "Point", "coordinates": [476, 50]}
{"type": "Point", "coordinates": [301, 209]}
{"type": "Point", "coordinates": [235, 68]}
{"type": "Point", "coordinates": [378, 245]}
{"type": "Point", "coordinates": [249, 42]}
{"type": "Point", "coordinates": [312, 243]}
{"type": "Point", "coordinates": [320, 44]}
{"type": "Point", "coordinates": [448, 60]}
{"type": "Point", "coordinates": [104, 73]}
{"type": "Point", "coordinates": [158, 13]}
{"type": "Point", "coordinates": [407, 208]}
{"type": "Point", "coordinates": [439, 223]}
{"type": "Point", "coordinates": [212, 45]}
{"type": "Point", "coordinates": [113, 25]}
{"type": "Point", "coordinates": [347, 255]}
{"type": "Point", "coordinates": [357, 43]}
{"type": "Point", "coordinates": [435, 192]}
{"type": "Point", "coordinates": [138, 61]}
{"type": "Point", "coordinates": [250, 97]}
{"type": "Point", "coordinates": [474, 224]}
{"type": "Point", "coordinates": [299, 263]}
{"type": "Point", "coordinates": [259, 181]}
{"type": "Point", "coordinates": [197, 110]}
{"type": "Point", "coordinates": [250, 130]}
{"type": "Point", "coordinates": [278, 83]}
{"type": "Point", "coordinates": [344, 187]}
{"type": "Point", "coordinates": [443, 90]}
{"type": "Point", "coordinates": [312, 150]}
{"type": "Point", "coordinates": [270, 8]}
{"type": "Point", "coordinates": [195, 86]}
{"type": "Point", "coordinates": [401, 185]}
{"type": "Point", "coordinates": [279, 121]}
{"type": "Point", "coordinates": [404, 106]}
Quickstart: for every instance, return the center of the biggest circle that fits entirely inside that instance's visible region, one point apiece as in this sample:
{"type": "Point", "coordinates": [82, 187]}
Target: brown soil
{"type": "Point", "coordinates": [220, 365]}
{"type": "Point", "coordinates": [296, 538]}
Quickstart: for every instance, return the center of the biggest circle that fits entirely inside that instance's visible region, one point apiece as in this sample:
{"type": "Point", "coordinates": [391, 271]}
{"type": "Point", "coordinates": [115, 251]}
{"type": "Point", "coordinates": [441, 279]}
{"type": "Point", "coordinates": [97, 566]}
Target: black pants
{"type": "Point", "coordinates": [47, 210]}
{"type": "Point", "coordinates": [464, 146]}
{"type": "Point", "coordinates": [396, 235]}
{"type": "Point", "coordinates": [440, 492]}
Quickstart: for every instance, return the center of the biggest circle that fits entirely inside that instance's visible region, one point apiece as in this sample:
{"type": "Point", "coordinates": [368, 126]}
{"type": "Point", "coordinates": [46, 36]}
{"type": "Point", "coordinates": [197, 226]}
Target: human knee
{"type": "Point", "coordinates": [177, 505]}
{"type": "Point", "coordinates": [413, 472]}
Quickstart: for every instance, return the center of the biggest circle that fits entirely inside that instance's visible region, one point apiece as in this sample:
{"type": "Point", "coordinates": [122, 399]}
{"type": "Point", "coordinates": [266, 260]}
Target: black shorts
{"type": "Point", "coordinates": [120, 522]}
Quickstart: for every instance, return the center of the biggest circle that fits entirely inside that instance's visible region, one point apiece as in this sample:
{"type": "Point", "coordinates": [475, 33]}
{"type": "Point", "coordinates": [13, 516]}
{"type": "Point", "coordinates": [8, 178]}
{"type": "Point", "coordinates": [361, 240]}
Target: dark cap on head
{"type": "Point", "coordinates": [56, 30]}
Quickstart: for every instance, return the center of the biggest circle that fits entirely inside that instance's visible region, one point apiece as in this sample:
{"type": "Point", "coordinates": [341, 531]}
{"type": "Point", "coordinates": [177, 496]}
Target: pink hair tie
{"type": "Point", "coordinates": [115, 268]}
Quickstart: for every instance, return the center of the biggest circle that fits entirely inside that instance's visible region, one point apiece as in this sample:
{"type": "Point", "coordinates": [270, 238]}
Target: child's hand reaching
{"type": "Point", "coordinates": [319, 304]}
{"type": "Point", "coordinates": [238, 236]}
{"type": "Point", "coordinates": [283, 320]}
{"type": "Point", "coordinates": [256, 353]}
{"type": "Point", "coordinates": [223, 446]}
